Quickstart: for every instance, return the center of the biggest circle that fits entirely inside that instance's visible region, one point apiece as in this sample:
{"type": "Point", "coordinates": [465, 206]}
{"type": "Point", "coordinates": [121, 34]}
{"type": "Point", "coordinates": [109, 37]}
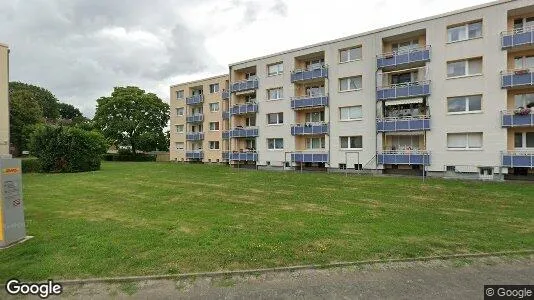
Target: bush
{"type": "Point", "coordinates": [67, 149]}
{"type": "Point", "coordinates": [128, 157]}
{"type": "Point", "coordinates": [30, 165]}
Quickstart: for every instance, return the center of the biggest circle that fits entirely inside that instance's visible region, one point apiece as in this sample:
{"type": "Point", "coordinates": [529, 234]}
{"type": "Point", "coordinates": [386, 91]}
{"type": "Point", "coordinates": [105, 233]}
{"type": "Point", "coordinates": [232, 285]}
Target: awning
{"type": "Point", "coordinates": [403, 101]}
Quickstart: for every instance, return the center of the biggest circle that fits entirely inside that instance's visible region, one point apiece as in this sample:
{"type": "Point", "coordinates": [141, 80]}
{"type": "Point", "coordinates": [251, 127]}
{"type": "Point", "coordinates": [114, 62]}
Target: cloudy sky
{"type": "Point", "coordinates": [81, 49]}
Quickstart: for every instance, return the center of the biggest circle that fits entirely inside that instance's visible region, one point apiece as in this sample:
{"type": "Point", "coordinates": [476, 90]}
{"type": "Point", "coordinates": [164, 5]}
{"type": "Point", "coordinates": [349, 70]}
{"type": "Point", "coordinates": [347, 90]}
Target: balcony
{"type": "Point", "coordinates": [197, 118]}
{"type": "Point", "coordinates": [194, 154]}
{"type": "Point", "coordinates": [403, 90]}
{"type": "Point", "coordinates": [309, 129]}
{"type": "Point", "coordinates": [309, 157]}
{"type": "Point", "coordinates": [243, 132]}
{"type": "Point", "coordinates": [403, 58]}
{"type": "Point", "coordinates": [309, 102]}
{"type": "Point", "coordinates": [225, 155]}
{"type": "Point", "coordinates": [243, 86]}
{"type": "Point", "coordinates": [225, 94]}
{"type": "Point", "coordinates": [244, 109]}
{"type": "Point", "coordinates": [306, 75]}
{"type": "Point", "coordinates": [194, 136]}
{"type": "Point", "coordinates": [418, 123]}
{"type": "Point", "coordinates": [522, 118]}
{"type": "Point", "coordinates": [518, 159]}
{"type": "Point", "coordinates": [226, 115]}
{"type": "Point", "coordinates": [243, 156]}
{"type": "Point", "coordinates": [517, 37]}
{"type": "Point", "coordinates": [194, 100]}
{"type": "Point", "coordinates": [403, 157]}
{"type": "Point", "coordinates": [226, 134]}
{"type": "Point", "coordinates": [517, 78]}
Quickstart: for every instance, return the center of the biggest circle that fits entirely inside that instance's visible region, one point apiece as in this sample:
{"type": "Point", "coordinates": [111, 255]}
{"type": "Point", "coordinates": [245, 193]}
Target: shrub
{"type": "Point", "coordinates": [67, 149]}
{"type": "Point", "coordinates": [30, 165]}
{"type": "Point", "coordinates": [128, 157]}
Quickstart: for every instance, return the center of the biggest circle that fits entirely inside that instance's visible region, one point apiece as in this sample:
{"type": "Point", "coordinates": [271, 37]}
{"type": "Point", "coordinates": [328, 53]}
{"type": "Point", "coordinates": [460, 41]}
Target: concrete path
{"type": "Point", "coordinates": [450, 279]}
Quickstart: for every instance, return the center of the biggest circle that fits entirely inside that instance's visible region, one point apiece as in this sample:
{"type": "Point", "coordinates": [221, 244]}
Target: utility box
{"type": "Point", "coordinates": [12, 224]}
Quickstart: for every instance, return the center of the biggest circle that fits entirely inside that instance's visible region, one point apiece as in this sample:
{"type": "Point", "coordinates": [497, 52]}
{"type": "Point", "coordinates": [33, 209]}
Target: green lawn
{"type": "Point", "coordinates": [158, 218]}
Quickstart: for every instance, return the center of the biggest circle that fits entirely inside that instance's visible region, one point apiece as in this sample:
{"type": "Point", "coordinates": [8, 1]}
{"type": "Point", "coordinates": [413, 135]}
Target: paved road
{"type": "Point", "coordinates": [452, 279]}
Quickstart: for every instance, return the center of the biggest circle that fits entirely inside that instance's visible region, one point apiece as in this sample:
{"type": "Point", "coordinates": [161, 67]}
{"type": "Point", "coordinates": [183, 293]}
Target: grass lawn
{"type": "Point", "coordinates": [161, 218]}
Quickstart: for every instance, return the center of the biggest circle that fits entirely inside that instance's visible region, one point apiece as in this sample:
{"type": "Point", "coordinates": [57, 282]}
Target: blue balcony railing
{"type": "Point", "coordinates": [244, 109]}
{"type": "Point", "coordinates": [309, 101]}
{"type": "Point", "coordinates": [197, 118]}
{"type": "Point", "coordinates": [309, 157]}
{"type": "Point", "coordinates": [310, 128]}
{"type": "Point", "coordinates": [305, 74]}
{"type": "Point", "coordinates": [194, 154]}
{"type": "Point", "coordinates": [243, 132]}
{"type": "Point", "coordinates": [194, 100]}
{"type": "Point", "coordinates": [226, 115]}
{"type": "Point", "coordinates": [517, 37]}
{"type": "Point", "coordinates": [518, 159]}
{"type": "Point", "coordinates": [225, 94]}
{"type": "Point", "coordinates": [402, 58]}
{"type": "Point", "coordinates": [245, 85]}
{"type": "Point", "coordinates": [516, 119]}
{"type": "Point", "coordinates": [226, 135]}
{"type": "Point", "coordinates": [403, 90]}
{"type": "Point", "coordinates": [225, 155]}
{"type": "Point", "coordinates": [194, 136]}
{"type": "Point", "coordinates": [517, 78]}
{"type": "Point", "coordinates": [407, 157]}
{"type": "Point", "coordinates": [243, 156]}
{"type": "Point", "coordinates": [418, 123]}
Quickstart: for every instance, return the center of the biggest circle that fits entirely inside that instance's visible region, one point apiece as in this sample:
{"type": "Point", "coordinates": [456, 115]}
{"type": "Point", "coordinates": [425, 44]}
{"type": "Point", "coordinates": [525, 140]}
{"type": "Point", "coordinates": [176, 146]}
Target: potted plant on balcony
{"type": "Point", "coordinates": [522, 111]}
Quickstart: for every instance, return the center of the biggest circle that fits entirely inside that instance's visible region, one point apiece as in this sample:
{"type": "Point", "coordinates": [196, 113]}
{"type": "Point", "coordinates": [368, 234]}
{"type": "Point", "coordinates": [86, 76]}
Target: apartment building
{"type": "Point", "coordinates": [197, 120]}
{"type": "Point", "coordinates": [4, 103]}
{"type": "Point", "coordinates": [451, 95]}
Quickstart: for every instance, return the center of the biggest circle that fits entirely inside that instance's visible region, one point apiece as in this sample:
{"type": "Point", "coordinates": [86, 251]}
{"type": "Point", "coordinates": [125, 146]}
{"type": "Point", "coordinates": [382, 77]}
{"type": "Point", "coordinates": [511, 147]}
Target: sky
{"type": "Point", "coordinates": [81, 49]}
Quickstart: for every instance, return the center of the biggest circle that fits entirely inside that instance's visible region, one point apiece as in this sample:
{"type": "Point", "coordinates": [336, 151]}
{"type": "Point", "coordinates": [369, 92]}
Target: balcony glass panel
{"type": "Point", "coordinates": [195, 100]}
{"type": "Point", "coordinates": [403, 90]}
{"type": "Point", "coordinates": [309, 157]}
{"type": "Point", "coordinates": [403, 124]}
{"type": "Point", "coordinates": [309, 128]}
{"type": "Point", "coordinates": [405, 157]}
{"type": "Point", "coordinates": [309, 74]}
{"type": "Point", "coordinates": [519, 159]}
{"type": "Point", "coordinates": [309, 101]}
{"type": "Point", "coordinates": [400, 58]}
{"type": "Point", "coordinates": [518, 78]}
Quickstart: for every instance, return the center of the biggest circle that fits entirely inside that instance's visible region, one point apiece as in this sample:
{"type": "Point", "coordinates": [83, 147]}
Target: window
{"type": "Point", "coordinates": [350, 113]}
{"type": "Point", "coordinates": [275, 118]}
{"type": "Point", "coordinates": [464, 104]}
{"type": "Point", "coordinates": [350, 83]}
{"type": "Point", "coordinates": [180, 128]}
{"type": "Point", "coordinates": [350, 54]}
{"type": "Point", "coordinates": [342, 166]}
{"type": "Point", "coordinates": [466, 67]}
{"type": "Point", "coordinates": [214, 88]}
{"type": "Point", "coordinates": [314, 91]}
{"type": "Point", "coordinates": [214, 145]}
{"type": "Point", "coordinates": [214, 126]}
{"type": "Point", "coordinates": [180, 94]}
{"type": "Point", "coordinates": [214, 106]}
{"type": "Point", "coordinates": [180, 111]}
{"type": "Point", "coordinates": [351, 142]}
{"type": "Point", "coordinates": [524, 100]}
{"type": "Point", "coordinates": [315, 64]}
{"type": "Point", "coordinates": [251, 144]}
{"type": "Point", "coordinates": [275, 69]}
{"type": "Point", "coordinates": [316, 116]}
{"type": "Point", "coordinates": [522, 23]}
{"type": "Point", "coordinates": [523, 140]}
{"type": "Point", "coordinates": [465, 32]}
{"type": "Point", "coordinates": [470, 140]}
{"type": "Point", "coordinates": [250, 121]}
{"type": "Point", "coordinates": [405, 46]}
{"type": "Point", "coordinates": [250, 76]}
{"type": "Point", "coordinates": [524, 62]}
{"type": "Point", "coordinates": [315, 143]}
{"type": "Point", "coordinates": [196, 92]}
{"type": "Point", "coordinates": [275, 144]}
{"type": "Point", "coordinates": [450, 168]}
{"type": "Point", "coordinates": [275, 94]}
{"type": "Point", "coordinates": [179, 145]}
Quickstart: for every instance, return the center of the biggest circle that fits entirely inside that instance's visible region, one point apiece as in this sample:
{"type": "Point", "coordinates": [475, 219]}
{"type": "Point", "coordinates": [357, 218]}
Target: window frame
{"type": "Point", "coordinates": [279, 116]}
{"type": "Point", "coordinates": [280, 69]}
{"type": "Point", "coordinates": [468, 147]}
{"type": "Point", "coordinates": [465, 26]}
{"type": "Point", "coordinates": [348, 107]}
{"type": "Point", "coordinates": [322, 143]}
{"type": "Point", "coordinates": [349, 78]}
{"type": "Point", "coordinates": [218, 126]}
{"type": "Point", "coordinates": [210, 143]}
{"type": "Point", "coordinates": [274, 144]}
{"type": "Point", "coordinates": [182, 109]}
{"type": "Point", "coordinates": [280, 94]}
{"type": "Point", "coordinates": [350, 59]}
{"type": "Point", "coordinates": [218, 106]}
{"type": "Point", "coordinates": [176, 145]}
{"type": "Point", "coordinates": [349, 142]}
{"type": "Point", "coordinates": [180, 94]}
{"type": "Point", "coordinates": [181, 126]}
{"type": "Point", "coordinates": [212, 88]}
{"type": "Point", "coordinates": [524, 141]}
{"type": "Point", "coordinates": [466, 67]}
{"type": "Point", "coordinates": [467, 101]}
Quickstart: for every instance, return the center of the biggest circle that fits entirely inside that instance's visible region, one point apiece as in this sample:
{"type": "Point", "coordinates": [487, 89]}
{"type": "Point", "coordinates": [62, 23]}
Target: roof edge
{"type": "Point", "coordinates": [199, 80]}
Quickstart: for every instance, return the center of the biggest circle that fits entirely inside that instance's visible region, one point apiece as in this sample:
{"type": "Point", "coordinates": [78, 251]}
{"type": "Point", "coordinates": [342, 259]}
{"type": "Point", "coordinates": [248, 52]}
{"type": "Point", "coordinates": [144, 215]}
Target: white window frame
{"type": "Point", "coordinates": [467, 100]}
{"type": "Point", "coordinates": [180, 126]}
{"type": "Point", "coordinates": [349, 79]}
{"type": "Point", "coordinates": [349, 107]}
{"type": "Point", "coordinates": [308, 117]}
{"type": "Point", "coordinates": [180, 94]}
{"type": "Point", "coordinates": [180, 111]}
{"type": "Point", "coordinates": [279, 94]}
{"type": "Point", "coordinates": [218, 126]}
{"type": "Point", "coordinates": [466, 68]}
{"type": "Point", "coordinates": [466, 141]}
{"type": "Point", "coordinates": [349, 57]}
{"type": "Point", "coordinates": [349, 139]}
{"type": "Point", "coordinates": [309, 143]}
{"type": "Point", "coordinates": [212, 144]}
{"type": "Point", "coordinates": [465, 26]}
{"type": "Point", "coordinates": [218, 106]}
{"type": "Point", "coordinates": [212, 88]}
{"type": "Point", "coordinates": [279, 71]}
{"type": "Point", "coordinates": [523, 141]}
{"type": "Point", "coordinates": [278, 114]}
{"type": "Point", "coordinates": [274, 144]}
{"type": "Point", "coordinates": [179, 148]}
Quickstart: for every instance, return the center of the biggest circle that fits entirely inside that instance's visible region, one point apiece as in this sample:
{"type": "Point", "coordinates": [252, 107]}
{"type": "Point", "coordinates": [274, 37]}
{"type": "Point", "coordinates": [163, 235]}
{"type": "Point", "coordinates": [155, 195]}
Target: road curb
{"type": "Point", "coordinates": [284, 269]}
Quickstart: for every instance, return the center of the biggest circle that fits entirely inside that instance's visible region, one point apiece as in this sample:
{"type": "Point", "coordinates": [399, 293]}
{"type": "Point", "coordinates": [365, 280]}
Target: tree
{"type": "Point", "coordinates": [69, 112]}
{"type": "Point", "coordinates": [24, 112]}
{"type": "Point", "coordinates": [151, 142]}
{"type": "Point", "coordinates": [47, 100]}
{"type": "Point", "coordinates": [130, 115]}
{"type": "Point", "coordinates": [67, 149]}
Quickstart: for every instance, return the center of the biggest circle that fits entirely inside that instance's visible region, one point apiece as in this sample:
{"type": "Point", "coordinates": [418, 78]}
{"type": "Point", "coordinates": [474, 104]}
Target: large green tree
{"type": "Point", "coordinates": [48, 102]}
{"type": "Point", "coordinates": [24, 113]}
{"type": "Point", "coordinates": [129, 115]}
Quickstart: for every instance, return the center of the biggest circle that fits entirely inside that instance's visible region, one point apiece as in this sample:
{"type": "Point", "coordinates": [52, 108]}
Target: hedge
{"type": "Point", "coordinates": [30, 165]}
{"type": "Point", "coordinates": [128, 157]}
